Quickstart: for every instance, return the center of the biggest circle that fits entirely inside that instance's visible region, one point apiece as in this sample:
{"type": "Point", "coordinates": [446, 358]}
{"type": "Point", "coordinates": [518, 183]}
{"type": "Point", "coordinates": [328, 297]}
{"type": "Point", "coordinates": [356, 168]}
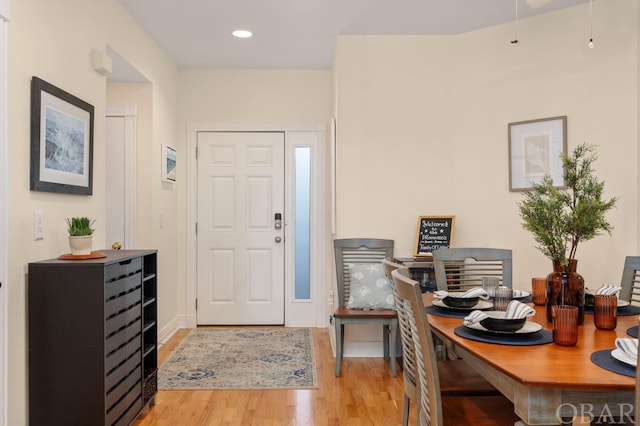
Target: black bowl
{"type": "Point", "coordinates": [497, 322]}
{"type": "Point", "coordinates": [460, 302]}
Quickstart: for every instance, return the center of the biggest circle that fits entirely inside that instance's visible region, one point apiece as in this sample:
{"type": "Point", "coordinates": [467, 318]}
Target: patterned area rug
{"type": "Point", "coordinates": [241, 358]}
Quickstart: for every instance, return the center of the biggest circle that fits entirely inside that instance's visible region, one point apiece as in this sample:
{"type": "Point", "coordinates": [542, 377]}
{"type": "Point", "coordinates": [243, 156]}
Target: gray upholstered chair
{"type": "Point", "coordinates": [362, 251]}
{"type": "Point", "coordinates": [630, 281]}
{"type": "Point", "coordinates": [461, 268]}
{"type": "Point", "coordinates": [433, 405]}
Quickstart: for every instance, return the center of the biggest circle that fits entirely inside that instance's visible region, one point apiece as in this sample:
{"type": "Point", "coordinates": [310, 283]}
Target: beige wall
{"type": "Point", "coordinates": [255, 96]}
{"type": "Point", "coordinates": [53, 40]}
{"type": "Point", "coordinates": [422, 129]}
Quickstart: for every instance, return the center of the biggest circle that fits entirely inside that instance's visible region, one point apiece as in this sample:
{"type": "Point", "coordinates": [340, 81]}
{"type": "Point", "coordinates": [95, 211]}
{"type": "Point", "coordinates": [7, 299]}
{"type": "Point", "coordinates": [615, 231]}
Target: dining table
{"type": "Point", "coordinates": [545, 382]}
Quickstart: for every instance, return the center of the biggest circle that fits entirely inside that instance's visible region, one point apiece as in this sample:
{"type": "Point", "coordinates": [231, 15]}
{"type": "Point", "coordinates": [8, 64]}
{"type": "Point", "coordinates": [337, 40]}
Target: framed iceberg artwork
{"type": "Point", "coordinates": [61, 141]}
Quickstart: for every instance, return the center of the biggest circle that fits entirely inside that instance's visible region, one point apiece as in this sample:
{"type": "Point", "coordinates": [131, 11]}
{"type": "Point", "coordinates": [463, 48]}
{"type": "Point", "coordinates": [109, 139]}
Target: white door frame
{"type": "Point", "coordinates": [318, 248]}
{"type": "Point", "coordinates": [130, 114]}
{"type": "Point", "coordinates": [4, 209]}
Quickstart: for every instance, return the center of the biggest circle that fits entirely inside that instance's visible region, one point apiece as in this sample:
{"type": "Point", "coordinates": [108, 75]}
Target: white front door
{"type": "Point", "coordinates": [240, 251]}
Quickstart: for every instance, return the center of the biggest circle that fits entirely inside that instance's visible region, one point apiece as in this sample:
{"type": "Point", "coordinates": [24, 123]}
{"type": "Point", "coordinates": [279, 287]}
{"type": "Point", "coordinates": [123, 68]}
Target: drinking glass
{"type": "Point", "coordinates": [565, 324]}
{"type": "Point", "coordinates": [539, 291]}
{"type": "Point", "coordinates": [504, 295]}
{"type": "Point", "coordinates": [605, 311]}
{"type": "Point", "coordinates": [489, 284]}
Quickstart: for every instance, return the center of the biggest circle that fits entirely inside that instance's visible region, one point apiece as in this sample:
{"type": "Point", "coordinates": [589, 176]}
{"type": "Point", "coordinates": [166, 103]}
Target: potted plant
{"type": "Point", "coordinates": [80, 231]}
{"type": "Point", "coordinates": [560, 218]}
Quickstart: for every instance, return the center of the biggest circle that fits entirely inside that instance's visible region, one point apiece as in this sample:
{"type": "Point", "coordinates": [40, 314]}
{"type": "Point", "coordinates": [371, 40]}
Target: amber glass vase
{"type": "Point", "coordinates": [565, 287]}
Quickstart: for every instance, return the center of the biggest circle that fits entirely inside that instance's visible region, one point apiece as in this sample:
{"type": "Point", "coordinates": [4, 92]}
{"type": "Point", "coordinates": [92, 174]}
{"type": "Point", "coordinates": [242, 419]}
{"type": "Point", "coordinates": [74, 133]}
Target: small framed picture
{"type": "Point", "coordinates": [535, 148]}
{"type": "Point", "coordinates": [61, 141]}
{"type": "Point", "coordinates": [168, 164]}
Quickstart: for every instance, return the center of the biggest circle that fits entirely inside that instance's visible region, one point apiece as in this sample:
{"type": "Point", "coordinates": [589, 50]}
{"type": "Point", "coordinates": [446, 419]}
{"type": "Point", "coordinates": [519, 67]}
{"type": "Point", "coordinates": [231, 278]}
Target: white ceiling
{"type": "Point", "coordinates": [301, 34]}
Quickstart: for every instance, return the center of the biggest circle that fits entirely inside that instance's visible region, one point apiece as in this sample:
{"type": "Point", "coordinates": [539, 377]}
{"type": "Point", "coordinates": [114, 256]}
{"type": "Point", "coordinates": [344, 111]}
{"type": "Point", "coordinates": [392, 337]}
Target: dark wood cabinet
{"type": "Point", "coordinates": [93, 356]}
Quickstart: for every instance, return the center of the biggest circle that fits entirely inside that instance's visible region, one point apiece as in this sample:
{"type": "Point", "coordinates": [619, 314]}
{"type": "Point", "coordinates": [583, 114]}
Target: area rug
{"type": "Point", "coordinates": [241, 358]}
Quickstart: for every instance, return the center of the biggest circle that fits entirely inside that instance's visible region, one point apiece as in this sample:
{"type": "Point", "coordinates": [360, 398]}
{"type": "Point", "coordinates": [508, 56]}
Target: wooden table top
{"type": "Point", "coordinates": [547, 365]}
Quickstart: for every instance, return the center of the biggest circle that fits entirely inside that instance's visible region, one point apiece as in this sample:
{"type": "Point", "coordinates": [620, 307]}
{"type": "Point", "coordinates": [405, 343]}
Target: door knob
{"type": "Point", "coordinates": [278, 239]}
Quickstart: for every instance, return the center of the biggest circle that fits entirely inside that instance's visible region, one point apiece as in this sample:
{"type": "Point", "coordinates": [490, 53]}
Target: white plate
{"type": "Point", "coordinates": [528, 328]}
{"type": "Point", "coordinates": [623, 357]}
{"type": "Point", "coordinates": [482, 305]}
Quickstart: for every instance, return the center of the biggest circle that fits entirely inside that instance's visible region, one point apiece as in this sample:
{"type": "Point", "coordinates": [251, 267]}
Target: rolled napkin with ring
{"type": "Point", "coordinates": [628, 345]}
{"type": "Point", "coordinates": [515, 310]}
{"type": "Point", "coordinates": [609, 289]}
{"type": "Point", "coordinates": [472, 292]}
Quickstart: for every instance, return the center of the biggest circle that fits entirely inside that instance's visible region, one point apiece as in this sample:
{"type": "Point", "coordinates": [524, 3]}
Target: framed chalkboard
{"type": "Point", "coordinates": [434, 232]}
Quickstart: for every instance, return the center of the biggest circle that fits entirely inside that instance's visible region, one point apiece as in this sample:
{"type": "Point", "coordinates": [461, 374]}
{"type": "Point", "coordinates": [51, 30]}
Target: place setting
{"type": "Point", "coordinates": [624, 307]}
{"type": "Point", "coordinates": [458, 304]}
{"type": "Point", "coordinates": [622, 359]}
{"type": "Point", "coordinates": [504, 327]}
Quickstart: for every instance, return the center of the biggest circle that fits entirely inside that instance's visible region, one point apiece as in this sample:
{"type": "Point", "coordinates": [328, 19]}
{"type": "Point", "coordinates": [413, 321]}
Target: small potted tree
{"type": "Point", "coordinates": [80, 231]}
{"type": "Point", "coordinates": [560, 218]}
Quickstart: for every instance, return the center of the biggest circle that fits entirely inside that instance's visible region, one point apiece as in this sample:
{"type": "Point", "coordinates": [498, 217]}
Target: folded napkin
{"type": "Point", "coordinates": [628, 345]}
{"type": "Point", "coordinates": [519, 293]}
{"type": "Point", "coordinates": [515, 310]}
{"type": "Point", "coordinates": [609, 289]}
{"type": "Point", "coordinates": [472, 292]}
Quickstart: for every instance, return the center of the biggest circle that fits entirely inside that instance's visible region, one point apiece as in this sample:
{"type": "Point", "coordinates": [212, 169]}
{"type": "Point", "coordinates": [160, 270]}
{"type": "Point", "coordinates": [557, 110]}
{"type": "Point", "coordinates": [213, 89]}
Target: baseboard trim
{"type": "Point", "coordinates": [174, 325]}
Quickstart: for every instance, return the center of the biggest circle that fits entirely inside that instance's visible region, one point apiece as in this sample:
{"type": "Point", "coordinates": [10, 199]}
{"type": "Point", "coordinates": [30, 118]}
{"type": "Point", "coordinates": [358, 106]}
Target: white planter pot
{"type": "Point", "coordinates": [80, 245]}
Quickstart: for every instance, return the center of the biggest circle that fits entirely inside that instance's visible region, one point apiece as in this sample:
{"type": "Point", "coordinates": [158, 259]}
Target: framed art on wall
{"type": "Point", "coordinates": [168, 164]}
{"type": "Point", "coordinates": [535, 148]}
{"type": "Point", "coordinates": [61, 141]}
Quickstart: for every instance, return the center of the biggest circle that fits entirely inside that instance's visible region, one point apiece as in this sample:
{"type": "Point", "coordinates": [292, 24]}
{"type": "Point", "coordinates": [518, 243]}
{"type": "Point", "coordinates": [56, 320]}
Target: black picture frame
{"type": "Point", "coordinates": [61, 141]}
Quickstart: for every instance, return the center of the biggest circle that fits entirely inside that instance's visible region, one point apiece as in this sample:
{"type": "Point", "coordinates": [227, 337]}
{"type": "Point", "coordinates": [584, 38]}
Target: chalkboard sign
{"type": "Point", "coordinates": [434, 232]}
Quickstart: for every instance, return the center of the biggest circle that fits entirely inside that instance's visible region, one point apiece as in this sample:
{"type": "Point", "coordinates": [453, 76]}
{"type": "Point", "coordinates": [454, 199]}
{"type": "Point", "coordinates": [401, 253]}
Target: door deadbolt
{"type": "Point", "coordinates": [277, 221]}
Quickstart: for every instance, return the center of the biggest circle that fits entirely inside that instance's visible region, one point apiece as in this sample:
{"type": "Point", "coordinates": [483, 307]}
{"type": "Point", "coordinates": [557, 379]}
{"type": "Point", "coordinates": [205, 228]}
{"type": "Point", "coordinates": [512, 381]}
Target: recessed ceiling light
{"type": "Point", "coordinates": [242, 33]}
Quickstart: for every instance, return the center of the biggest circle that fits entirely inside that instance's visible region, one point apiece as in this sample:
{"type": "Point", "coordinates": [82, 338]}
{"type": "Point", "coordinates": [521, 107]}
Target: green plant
{"type": "Point", "coordinates": [560, 218]}
{"type": "Point", "coordinates": [78, 226]}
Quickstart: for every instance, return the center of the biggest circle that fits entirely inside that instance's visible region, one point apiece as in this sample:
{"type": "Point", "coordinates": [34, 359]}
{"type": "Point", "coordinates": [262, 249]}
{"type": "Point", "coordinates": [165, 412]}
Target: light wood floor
{"type": "Point", "coordinates": [365, 394]}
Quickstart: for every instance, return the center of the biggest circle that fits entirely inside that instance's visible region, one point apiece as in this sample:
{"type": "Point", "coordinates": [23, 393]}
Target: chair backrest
{"type": "Point", "coordinates": [408, 353]}
{"type": "Point", "coordinates": [461, 268]}
{"type": "Point", "coordinates": [630, 281]}
{"type": "Point", "coordinates": [409, 300]}
{"type": "Point", "coordinates": [357, 250]}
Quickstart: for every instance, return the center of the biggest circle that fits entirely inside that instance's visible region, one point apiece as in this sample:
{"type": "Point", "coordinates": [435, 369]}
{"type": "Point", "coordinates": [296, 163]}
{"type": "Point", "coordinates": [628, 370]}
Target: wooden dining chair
{"type": "Point", "coordinates": [408, 356]}
{"type": "Point", "coordinates": [453, 374]}
{"type": "Point", "coordinates": [630, 281]}
{"type": "Point", "coordinates": [356, 251]}
{"type": "Point", "coordinates": [434, 406]}
{"type": "Point", "coordinates": [461, 268]}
